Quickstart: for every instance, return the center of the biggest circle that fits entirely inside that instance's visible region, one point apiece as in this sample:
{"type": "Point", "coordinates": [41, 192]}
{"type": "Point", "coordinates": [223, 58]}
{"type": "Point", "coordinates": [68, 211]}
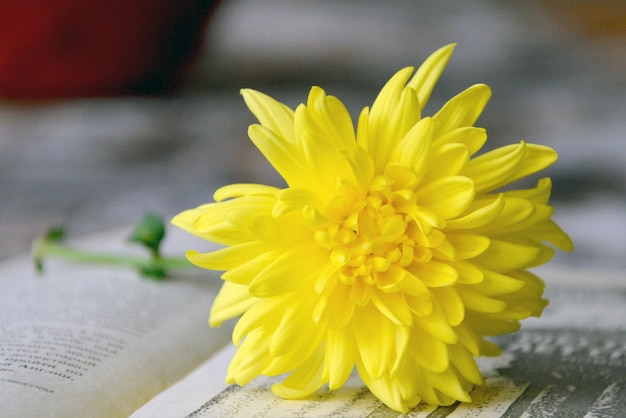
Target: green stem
{"type": "Point", "coordinates": [154, 266]}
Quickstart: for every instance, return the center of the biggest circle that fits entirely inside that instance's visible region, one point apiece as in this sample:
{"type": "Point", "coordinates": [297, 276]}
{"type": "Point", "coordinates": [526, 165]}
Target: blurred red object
{"type": "Point", "coordinates": [78, 48]}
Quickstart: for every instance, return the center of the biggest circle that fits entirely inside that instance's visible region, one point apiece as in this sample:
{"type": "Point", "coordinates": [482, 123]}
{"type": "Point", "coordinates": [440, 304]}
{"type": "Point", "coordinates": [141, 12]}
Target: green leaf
{"type": "Point", "coordinates": [149, 233]}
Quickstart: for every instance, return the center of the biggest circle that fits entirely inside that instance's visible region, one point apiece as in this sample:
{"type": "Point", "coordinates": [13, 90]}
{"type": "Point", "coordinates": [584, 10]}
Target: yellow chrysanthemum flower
{"type": "Point", "coordinates": [390, 249]}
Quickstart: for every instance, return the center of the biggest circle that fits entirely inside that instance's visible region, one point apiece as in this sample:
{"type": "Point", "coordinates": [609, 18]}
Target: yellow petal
{"type": "Point", "coordinates": [428, 352]}
{"type": "Point", "coordinates": [329, 120]}
{"type": "Point", "coordinates": [481, 215]}
{"type": "Point", "coordinates": [434, 273]}
{"type": "Point", "coordinates": [249, 268]}
{"type": "Point", "coordinates": [338, 309]}
{"type": "Point", "coordinates": [186, 220]}
{"type": "Point", "coordinates": [401, 349]}
{"type": "Point", "coordinates": [284, 230]}
{"type": "Point", "coordinates": [321, 147]}
{"type": "Point", "coordinates": [272, 114]}
{"type": "Point", "coordinates": [536, 158]}
{"type": "Point", "coordinates": [420, 306]}
{"type": "Point", "coordinates": [303, 381]}
{"type": "Point", "coordinates": [386, 391]}
{"type": "Point", "coordinates": [360, 293]}
{"type": "Point", "coordinates": [451, 303]}
{"type": "Point", "coordinates": [437, 325]}
{"type": "Point", "coordinates": [338, 209]}
{"type": "Point", "coordinates": [250, 359]}
{"type": "Point", "coordinates": [296, 330]}
{"type": "Point", "coordinates": [468, 246]}
{"type": "Point", "coordinates": [447, 383]}
{"type": "Point", "coordinates": [507, 164]}
{"type": "Point", "coordinates": [265, 315]}
{"type": "Point", "coordinates": [407, 114]}
{"type": "Point", "coordinates": [469, 273]}
{"type": "Point", "coordinates": [394, 307]}
{"type": "Point", "coordinates": [445, 161]}
{"type": "Point", "coordinates": [540, 194]}
{"type": "Point", "coordinates": [243, 189]}
{"type": "Point", "coordinates": [497, 284]}
{"type": "Point", "coordinates": [413, 286]}
{"type": "Point", "coordinates": [363, 130]}
{"type": "Point", "coordinates": [294, 269]}
{"type": "Point", "coordinates": [447, 197]}
{"type": "Point", "coordinates": [465, 363]}
{"type": "Point", "coordinates": [404, 178]}
{"type": "Point", "coordinates": [468, 338]}
{"type": "Point", "coordinates": [462, 110]}
{"type": "Point", "coordinates": [514, 212]}
{"type": "Point", "coordinates": [429, 72]}
{"type": "Point", "coordinates": [549, 231]}
{"type": "Point", "coordinates": [491, 327]}
{"type": "Point", "coordinates": [229, 257]}
{"type": "Point", "coordinates": [412, 150]}
{"type": "Point", "coordinates": [528, 299]}
{"type": "Point", "coordinates": [374, 348]}
{"type": "Point", "coordinates": [208, 222]}
{"type": "Point", "coordinates": [231, 301]}
{"type": "Point", "coordinates": [505, 256]}
{"type": "Point", "coordinates": [519, 308]}
{"type": "Point", "coordinates": [284, 156]}
{"type": "Point", "coordinates": [539, 215]}
{"type": "Point", "coordinates": [295, 354]}
{"type": "Point", "coordinates": [476, 301]}
{"type": "Point", "coordinates": [235, 211]}
{"type": "Point", "coordinates": [488, 170]}
{"type": "Point", "coordinates": [340, 358]}
{"type": "Point", "coordinates": [382, 133]}
{"type": "Point", "coordinates": [488, 348]}
{"type": "Point", "coordinates": [294, 199]}
{"type": "Point", "coordinates": [361, 168]}
{"type": "Point", "coordinates": [472, 137]}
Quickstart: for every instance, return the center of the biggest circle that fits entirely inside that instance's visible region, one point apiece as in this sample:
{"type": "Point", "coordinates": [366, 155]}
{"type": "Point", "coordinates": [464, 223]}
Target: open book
{"type": "Point", "coordinates": [102, 342]}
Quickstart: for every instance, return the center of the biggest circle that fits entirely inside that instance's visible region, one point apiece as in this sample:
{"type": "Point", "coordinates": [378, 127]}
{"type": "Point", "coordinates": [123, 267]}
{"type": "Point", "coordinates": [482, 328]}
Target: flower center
{"type": "Point", "coordinates": [377, 237]}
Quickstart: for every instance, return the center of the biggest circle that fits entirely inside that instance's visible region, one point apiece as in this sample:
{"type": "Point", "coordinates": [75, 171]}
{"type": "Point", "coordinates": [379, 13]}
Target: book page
{"type": "Point", "coordinates": [96, 341]}
{"type": "Point", "coordinates": [572, 362]}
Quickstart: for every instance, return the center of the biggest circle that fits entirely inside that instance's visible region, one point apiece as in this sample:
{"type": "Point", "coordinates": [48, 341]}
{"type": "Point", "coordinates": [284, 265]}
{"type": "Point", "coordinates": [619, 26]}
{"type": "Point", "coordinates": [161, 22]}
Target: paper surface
{"type": "Point", "coordinates": [97, 341]}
